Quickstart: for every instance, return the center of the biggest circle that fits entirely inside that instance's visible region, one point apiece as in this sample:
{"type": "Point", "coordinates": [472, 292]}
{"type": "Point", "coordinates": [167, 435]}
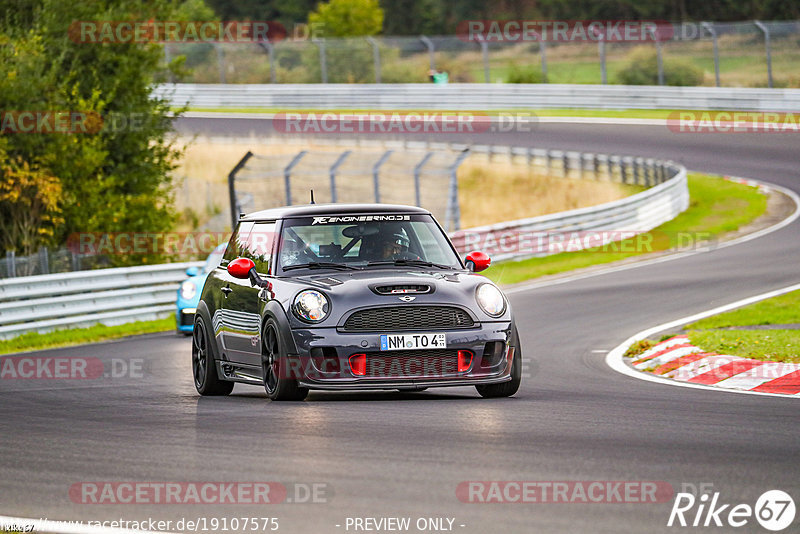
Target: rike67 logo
{"type": "Point", "coordinates": [774, 510]}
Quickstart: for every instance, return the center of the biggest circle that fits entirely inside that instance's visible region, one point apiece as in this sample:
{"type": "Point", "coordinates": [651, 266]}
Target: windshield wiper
{"type": "Point", "coordinates": [321, 265]}
{"type": "Point", "coordinates": [415, 263]}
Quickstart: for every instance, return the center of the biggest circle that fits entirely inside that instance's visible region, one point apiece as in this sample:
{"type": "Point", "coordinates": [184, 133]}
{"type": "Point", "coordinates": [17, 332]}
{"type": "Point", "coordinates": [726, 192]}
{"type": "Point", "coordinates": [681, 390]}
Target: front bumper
{"type": "Point", "coordinates": [323, 359]}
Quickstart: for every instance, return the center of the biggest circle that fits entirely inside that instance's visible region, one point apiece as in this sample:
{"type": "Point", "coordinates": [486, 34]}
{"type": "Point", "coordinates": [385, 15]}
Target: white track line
{"type": "Point", "coordinates": [525, 286]}
{"type": "Point", "coordinates": [615, 360]}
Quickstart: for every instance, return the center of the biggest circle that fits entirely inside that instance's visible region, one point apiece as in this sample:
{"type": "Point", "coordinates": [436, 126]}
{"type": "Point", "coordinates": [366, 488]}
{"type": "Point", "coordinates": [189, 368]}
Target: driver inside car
{"type": "Point", "coordinates": [395, 246]}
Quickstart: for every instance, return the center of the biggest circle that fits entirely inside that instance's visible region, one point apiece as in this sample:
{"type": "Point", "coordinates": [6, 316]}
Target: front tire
{"type": "Point", "coordinates": [274, 366]}
{"type": "Point", "coordinates": [506, 389]}
{"type": "Point", "coordinates": [204, 370]}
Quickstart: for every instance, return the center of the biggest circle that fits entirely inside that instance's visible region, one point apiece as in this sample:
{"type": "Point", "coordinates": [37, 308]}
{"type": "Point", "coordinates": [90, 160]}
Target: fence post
{"type": "Point", "coordinates": [485, 55]}
{"type": "Point", "coordinates": [601, 45]}
{"type": "Point", "coordinates": [287, 175]}
{"type": "Point", "coordinates": [168, 60]}
{"type": "Point", "coordinates": [44, 260]}
{"type": "Point", "coordinates": [659, 57]}
{"type": "Point", "coordinates": [323, 62]}
{"type": "Point", "coordinates": [270, 48]}
{"type": "Point", "coordinates": [376, 174]}
{"type": "Point", "coordinates": [376, 58]}
{"type": "Point", "coordinates": [417, 172]}
{"type": "Point", "coordinates": [220, 62]}
{"type": "Point", "coordinates": [710, 27]}
{"type": "Point", "coordinates": [334, 168]}
{"type": "Point", "coordinates": [232, 189]}
{"type": "Point", "coordinates": [761, 26]}
{"type": "Point", "coordinates": [431, 52]}
{"type": "Point", "coordinates": [76, 260]}
{"type": "Point", "coordinates": [453, 205]}
{"type": "Point", "coordinates": [543, 50]}
{"type": "Point", "coordinates": [11, 263]}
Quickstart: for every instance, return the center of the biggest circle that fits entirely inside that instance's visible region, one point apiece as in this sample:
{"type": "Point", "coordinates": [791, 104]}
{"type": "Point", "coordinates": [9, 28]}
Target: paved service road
{"type": "Point", "coordinates": [403, 455]}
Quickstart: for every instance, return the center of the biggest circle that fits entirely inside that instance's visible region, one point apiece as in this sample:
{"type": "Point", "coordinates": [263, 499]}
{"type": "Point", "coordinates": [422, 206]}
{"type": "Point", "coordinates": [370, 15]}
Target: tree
{"type": "Point", "coordinates": [115, 178]}
{"type": "Point", "coordinates": [348, 18]}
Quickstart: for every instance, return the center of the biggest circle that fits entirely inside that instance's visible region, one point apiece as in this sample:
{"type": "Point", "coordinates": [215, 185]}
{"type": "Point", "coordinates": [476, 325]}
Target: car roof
{"type": "Point", "coordinates": [309, 210]}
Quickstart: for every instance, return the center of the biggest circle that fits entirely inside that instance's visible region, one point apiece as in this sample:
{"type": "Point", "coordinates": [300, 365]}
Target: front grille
{"type": "Point", "coordinates": [412, 363]}
{"type": "Point", "coordinates": [408, 318]}
{"type": "Point", "coordinates": [402, 289]}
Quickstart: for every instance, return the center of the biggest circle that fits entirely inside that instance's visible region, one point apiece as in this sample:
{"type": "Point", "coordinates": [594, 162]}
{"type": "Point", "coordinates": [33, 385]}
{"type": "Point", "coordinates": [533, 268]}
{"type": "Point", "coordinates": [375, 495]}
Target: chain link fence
{"type": "Point", "coordinates": [741, 54]}
{"type": "Point", "coordinates": [419, 177]}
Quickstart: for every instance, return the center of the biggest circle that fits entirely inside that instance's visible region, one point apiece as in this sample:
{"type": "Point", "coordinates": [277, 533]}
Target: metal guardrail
{"type": "Point", "coordinates": [469, 96]}
{"type": "Point", "coordinates": [667, 196]}
{"type": "Point", "coordinates": [111, 296]}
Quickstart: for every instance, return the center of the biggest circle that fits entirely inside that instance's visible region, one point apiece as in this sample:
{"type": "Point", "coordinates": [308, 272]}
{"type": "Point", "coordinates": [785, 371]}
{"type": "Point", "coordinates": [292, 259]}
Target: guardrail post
{"type": "Point", "coordinates": [565, 164]}
{"type": "Point", "coordinates": [287, 175]}
{"type": "Point", "coordinates": [376, 174]}
{"type": "Point", "coordinates": [637, 176]}
{"type": "Point", "coordinates": [761, 26]}
{"type": "Point", "coordinates": [596, 166]}
{"type": "Point", "coordinates": [623, 171]}
{"type": "Point", "coordinates": [333, 170]}
{"type": "Point", "coordinates": [376, 58]}
{"type": "Point", "coordinates": [232, 189]}
{"type": "Point", "coordinates": [431, 52]}
{"type": "Point", "coordinates": [710, 27]}
{"type": "Point", "coordinates": [417, 172]}
{"type": "Point", "coordinates": [11, 263]}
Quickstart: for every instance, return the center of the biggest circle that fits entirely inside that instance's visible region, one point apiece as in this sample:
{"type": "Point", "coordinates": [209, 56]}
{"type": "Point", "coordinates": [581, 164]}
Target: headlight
{"type": "Point", "coordinates": [491, 300]}
{"type": "Point", "coordinates": [311, 305]}
{"type": "Point", "coordinates": [188, 290]}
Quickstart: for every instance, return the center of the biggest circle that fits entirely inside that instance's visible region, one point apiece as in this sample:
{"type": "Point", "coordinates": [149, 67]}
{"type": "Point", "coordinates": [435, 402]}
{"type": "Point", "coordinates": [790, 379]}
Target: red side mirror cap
{"type": "Point", "coordinates": [240, 267]}
{"type": "Point", "coordinates": [478, 261]}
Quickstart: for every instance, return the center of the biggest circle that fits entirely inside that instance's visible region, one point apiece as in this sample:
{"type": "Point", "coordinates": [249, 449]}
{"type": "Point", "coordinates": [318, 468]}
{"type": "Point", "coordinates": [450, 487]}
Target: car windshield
{"type": "Point", "coordinates": [365, 241]}
{"type": "Point", "coordinates": [214, 258]}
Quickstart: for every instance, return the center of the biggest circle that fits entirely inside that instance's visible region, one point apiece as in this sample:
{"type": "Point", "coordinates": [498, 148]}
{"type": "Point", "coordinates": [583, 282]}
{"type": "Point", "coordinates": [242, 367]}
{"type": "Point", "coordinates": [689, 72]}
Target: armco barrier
{"type": "Point", "coordinates": [114, 296]}
{"type": "Point", "coordinates": [83, 298]}
{"type": "Point", "coordinates": [474, 96]}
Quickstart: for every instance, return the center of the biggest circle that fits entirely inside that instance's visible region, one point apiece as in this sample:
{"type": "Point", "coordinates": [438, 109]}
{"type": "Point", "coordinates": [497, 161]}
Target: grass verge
{"type": "Point", "coordinates": [779, 345]}
{"type": "Point", "coordinates": [77, 336]}
{"type": "Point", "coordinates": [716, 208]}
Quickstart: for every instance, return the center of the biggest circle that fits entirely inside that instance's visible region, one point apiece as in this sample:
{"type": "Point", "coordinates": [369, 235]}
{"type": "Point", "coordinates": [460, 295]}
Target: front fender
{"type": "Point", "coordinates": [273, 310]}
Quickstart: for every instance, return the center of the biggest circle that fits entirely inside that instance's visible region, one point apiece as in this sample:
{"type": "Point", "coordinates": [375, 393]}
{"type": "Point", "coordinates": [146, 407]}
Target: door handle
{"type": "Point", "coordinates": [227, 290]}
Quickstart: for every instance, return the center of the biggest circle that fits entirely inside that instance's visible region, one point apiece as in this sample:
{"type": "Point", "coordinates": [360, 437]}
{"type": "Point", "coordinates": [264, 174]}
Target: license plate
{"type": "Point", "coordinates": [413, 341]}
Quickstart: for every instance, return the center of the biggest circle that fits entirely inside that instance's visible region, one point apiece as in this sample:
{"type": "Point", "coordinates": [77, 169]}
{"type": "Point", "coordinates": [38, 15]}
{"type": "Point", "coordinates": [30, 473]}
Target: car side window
{"type": "Point", "coordinates": [238, 241]}
{"type": "Point", "coordinates": [259, 245]}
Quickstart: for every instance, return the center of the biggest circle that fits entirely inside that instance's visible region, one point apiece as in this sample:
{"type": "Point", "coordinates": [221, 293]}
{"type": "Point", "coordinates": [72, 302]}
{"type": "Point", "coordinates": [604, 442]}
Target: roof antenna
{"type": "Point", "coordinates": [312, 197]}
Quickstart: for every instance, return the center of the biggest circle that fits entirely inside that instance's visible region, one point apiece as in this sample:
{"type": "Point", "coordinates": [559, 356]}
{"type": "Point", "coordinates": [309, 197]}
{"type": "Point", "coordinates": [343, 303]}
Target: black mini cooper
{"type": "Point", "coordinates": [351, 297]}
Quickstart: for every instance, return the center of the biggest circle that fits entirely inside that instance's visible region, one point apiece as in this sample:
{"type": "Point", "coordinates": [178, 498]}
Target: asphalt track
{"type": "Point", "coordinates": [403, 455]}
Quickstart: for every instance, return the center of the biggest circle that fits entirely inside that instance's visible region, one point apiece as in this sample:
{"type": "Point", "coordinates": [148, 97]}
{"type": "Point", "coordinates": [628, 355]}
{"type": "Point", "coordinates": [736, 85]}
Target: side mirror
{"type": "Point", "coordinates": [192, 271]}
{"type": "Point", "coordinates": [240, 268]}
{"type": "Point", "coordinates": [478, 261]}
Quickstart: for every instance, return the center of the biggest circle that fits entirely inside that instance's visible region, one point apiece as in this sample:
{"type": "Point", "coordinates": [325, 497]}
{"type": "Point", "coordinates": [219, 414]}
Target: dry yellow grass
{"type": "Point", "coordinates": [495, 192]}
{"type": "Point", "coordinates": [489, 192]}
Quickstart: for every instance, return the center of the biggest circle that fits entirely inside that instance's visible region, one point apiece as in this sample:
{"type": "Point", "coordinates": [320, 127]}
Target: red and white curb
{"type": "Point", "coordinates": [678, 359]}
{"type": "Point", "coordinates": [709, 371]}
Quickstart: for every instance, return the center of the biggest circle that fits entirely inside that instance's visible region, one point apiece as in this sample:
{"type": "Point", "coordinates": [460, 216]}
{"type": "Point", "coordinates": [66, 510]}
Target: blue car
{"type": "Point", "coordinates": [189, 292]}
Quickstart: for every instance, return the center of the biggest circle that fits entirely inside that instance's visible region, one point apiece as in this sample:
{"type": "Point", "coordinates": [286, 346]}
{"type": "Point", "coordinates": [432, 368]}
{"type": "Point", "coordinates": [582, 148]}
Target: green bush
{"type": "Point", "coordinates": [641, 68]}
{"type": "Point", "coordinates": [527, 74]}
